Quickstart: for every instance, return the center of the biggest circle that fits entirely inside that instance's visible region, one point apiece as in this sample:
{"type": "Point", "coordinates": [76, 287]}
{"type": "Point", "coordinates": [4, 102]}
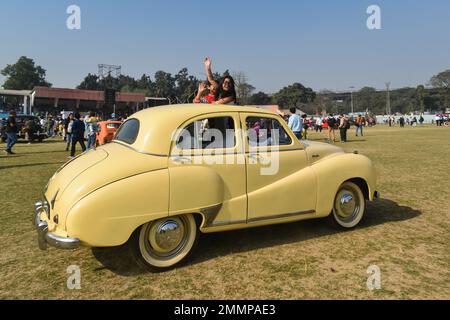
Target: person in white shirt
{"type": "Point", "coordinates": [319, 124]}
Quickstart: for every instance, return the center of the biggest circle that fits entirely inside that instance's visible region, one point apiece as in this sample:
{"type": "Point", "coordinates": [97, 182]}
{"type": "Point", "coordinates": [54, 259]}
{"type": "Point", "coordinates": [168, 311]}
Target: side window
{"type": "Point", "coordinates": [266, 132]}
{"type": "Point", "coordinates": [209, 133]}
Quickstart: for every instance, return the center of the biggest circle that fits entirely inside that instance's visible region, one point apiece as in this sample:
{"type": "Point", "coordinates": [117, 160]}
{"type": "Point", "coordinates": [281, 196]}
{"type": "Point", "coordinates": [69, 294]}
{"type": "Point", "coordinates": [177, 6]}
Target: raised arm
{"type": "Point", "coordinates": [208, 64]}
{"type": "Point", "coordinates": [201, 89]}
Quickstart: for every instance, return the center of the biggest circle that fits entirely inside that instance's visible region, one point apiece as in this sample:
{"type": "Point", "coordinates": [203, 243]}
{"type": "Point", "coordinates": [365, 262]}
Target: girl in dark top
{"type": "Point", "coordinates": [227, 90]}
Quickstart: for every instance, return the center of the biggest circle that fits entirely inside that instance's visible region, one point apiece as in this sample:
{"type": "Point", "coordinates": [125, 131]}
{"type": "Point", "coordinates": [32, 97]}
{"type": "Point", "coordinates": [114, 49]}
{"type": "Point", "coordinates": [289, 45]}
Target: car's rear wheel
{"type": "Point", "coordinates": [163, 244]}
{"type": "Point", "coordinates": [349, 205]}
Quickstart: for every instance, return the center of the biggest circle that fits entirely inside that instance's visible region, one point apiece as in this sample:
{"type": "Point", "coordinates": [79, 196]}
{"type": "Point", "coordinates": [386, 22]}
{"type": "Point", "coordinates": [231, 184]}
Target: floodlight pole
{"type": "Point", "coordinates": [388, 98]}
{"type": "Point", "coordinates": [351, 92]}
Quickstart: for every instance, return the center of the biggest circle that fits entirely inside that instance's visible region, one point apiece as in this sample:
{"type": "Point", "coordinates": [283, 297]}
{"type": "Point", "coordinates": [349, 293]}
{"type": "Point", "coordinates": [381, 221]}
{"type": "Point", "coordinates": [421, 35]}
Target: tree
{"type": "Point", "coordinates": [243, 88]}
{"type": "Point", "coordinates": [90, 82]}
{"type": "Point", "coordinates": [186, 86]}
{"type": "Point", "coordinates": [146, 85]}
{"type": "Point", "coordinates": [324, 102]}
{"type": "Point", "coordinates": [294, 95]}
{"type": "Point", "coordinates": [420, 97]}
{"type": "Point", "coordinates": [365, 98]}
{"type": "Point", "coordinates": [260, 98]}
{"type": "Point", "coordinates": [24, 75]}
{"type": "Point", "coordinates": [164, 84]}
{"type": "Point", "coordinates": [441, 81]}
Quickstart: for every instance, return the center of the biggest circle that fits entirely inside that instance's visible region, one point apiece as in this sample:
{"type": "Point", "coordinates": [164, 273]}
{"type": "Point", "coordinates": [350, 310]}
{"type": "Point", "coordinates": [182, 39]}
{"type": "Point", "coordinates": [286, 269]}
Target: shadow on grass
{"type": "Point", "coordinates": [211, 246]}
{"type": "Point", "coordinates": [44, 152]}
{"type": "Point", "coordinates": [30, 165]}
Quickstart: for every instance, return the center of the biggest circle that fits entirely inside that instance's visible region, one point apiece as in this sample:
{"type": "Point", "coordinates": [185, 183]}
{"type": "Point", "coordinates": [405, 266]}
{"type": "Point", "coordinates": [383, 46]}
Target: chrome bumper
{"type": "Point", "coordinates": [45, 238]}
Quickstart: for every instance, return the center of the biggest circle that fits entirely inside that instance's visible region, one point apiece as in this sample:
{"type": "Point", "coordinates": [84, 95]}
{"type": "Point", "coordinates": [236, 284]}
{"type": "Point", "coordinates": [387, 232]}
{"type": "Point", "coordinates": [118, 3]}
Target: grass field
{"type": "Point", "coordinates": [407, 234]}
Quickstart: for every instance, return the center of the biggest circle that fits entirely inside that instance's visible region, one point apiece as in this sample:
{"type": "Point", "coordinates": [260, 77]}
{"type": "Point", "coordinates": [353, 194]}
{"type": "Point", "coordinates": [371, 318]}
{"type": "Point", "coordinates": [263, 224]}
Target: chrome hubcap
{"type": "Point", "coordinates": [347, 204]}
{"type": "Point", "coordinates": [166, 236]}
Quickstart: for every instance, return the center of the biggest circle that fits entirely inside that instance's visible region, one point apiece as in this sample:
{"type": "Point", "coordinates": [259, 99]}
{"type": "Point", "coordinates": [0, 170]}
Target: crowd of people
{"type": "Point", "coordinates": [300, 125]}
{"type": "Point", "coordinates": [442, 120]}
{"type": "Point", "coordinates": [73, 129]}
{"type": "Point", "coordinates": [402, 121]}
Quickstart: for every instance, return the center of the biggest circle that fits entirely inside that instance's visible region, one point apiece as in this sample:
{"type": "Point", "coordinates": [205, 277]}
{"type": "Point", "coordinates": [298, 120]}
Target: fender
{"type": "Point", "coordinates": [108, 216]}
{"type": "Point", "coordinates": [332, 172]}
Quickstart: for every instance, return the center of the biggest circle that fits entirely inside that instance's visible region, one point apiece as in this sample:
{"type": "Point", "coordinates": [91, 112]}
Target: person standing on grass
{"type": "Point", "coordinates": [343, 127]}
{"type": "Point", "coordinates": [92, 129]}
{"type": "Point", "coordinates": [359, 125]}
{"type": "Point", "coordinates": [78, 129]}
{"type": "Point", "coordinates": [319, 124]}
{"type": "Point", "coordinates": [68, 123]}
{"type": "Point", "coordinates": [11, 133]}
{"type": "Point", "coordinates": [331, 122]}
{"type": "Point", "coordinates": [295, 123]}
{"type": "Point", "coordinates": [305, 126]}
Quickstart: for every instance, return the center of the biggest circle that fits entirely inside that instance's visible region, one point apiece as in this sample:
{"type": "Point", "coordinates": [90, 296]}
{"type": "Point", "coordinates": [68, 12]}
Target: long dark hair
{"type": "Point", "coordinates": [231, 92]}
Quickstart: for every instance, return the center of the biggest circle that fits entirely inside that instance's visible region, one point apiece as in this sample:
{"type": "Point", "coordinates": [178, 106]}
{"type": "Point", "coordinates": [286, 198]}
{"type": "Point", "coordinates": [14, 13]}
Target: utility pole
{"type": "Point", "coordinates": [388, 98]}
{"type": "Point", "coordinates": [351, 93]}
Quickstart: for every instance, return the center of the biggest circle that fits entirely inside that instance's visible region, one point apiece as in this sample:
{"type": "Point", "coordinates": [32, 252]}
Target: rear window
{"type": "Point", "coordinates": [128, 132]}
{"type": "Point", "coordinates": [112, 125]}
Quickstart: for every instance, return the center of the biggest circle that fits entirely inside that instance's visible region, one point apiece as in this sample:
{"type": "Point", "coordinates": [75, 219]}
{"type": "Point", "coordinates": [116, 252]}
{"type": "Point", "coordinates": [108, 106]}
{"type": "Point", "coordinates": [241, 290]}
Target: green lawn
{"type": "Point", "coordinates": [406, 234]}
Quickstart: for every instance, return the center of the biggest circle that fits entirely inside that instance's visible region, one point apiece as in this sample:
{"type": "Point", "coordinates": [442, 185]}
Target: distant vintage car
{"type": "Point", "coordinates": [173, 172]}
{"type": "Point", "coordinates": [34, 132]}
{"type": "Point", "coordinates": [106, 132]}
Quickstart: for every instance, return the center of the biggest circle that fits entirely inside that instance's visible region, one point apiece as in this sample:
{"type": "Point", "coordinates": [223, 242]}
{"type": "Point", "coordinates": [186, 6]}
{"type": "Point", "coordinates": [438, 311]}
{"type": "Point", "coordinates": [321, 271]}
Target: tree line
{"type": "Point", "coordinates": [181, 88]}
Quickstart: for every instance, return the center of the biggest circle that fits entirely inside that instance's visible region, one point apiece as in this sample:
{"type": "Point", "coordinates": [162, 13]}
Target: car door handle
{"type": "Point", "coordinates": [182, 160]}
{"type": "Point", "coordinates": [255, 157]}
{"type": "Point", "coordinates": [316, 156]}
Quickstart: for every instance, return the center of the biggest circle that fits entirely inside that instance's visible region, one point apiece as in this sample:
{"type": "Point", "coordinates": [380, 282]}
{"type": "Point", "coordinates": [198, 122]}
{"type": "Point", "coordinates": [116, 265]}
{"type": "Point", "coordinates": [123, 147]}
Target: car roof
{"type": "Point", "coordinates": [157, 125]}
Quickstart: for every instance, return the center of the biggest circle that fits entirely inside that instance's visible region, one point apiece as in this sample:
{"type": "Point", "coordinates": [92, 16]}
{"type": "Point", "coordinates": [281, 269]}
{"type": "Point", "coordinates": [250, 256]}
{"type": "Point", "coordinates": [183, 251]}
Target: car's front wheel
{"type": "Point", "coordinates": [162, 244]}
{"type": "Point", "coordinates": [349, 205]}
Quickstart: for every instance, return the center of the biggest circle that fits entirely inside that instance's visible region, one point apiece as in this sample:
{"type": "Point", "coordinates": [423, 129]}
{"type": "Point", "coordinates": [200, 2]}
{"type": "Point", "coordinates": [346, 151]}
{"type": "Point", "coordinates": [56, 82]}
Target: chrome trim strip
{"type": "Point", "coordinates": [186, 154]}
{"type": "Point", "coordinates": [281, 216]}
{"type": "Point", "coordinates": [253, 220]}
{"type": "Point", "coordinates": [227, 223]}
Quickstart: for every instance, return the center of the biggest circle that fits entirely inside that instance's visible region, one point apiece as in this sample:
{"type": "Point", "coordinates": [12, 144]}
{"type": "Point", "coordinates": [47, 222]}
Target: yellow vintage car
{"type": "Point", "coordinates": [175, 171]}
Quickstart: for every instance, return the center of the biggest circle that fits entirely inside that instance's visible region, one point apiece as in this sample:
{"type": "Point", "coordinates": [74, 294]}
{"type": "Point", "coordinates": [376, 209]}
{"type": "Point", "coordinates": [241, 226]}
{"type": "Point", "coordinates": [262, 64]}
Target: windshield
{"type": "Point", "coordinates": [128, 132]}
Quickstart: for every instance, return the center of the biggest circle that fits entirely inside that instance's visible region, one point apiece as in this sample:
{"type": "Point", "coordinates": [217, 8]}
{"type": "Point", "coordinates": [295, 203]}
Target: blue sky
{"type": "Point", "coordinates": [324, 44]}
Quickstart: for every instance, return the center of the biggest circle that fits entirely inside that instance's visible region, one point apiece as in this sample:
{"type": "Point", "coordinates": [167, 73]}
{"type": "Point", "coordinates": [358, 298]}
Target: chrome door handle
{"type": "Point", "coordinates": [255, 156]}
{"type": "Point", "coordinates": [316, 156]}
{"type": "Point", "coordinates": [182, 160]}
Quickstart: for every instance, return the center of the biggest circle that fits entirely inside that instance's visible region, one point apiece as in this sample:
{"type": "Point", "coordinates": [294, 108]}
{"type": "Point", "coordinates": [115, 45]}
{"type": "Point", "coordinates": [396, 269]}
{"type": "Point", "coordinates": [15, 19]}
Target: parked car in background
{"type": "Point", "coordinates": [29, 128]}
{"type": "Point", "coordinates": [106, 131]}
{"type": "Point", "coordinates": [174, 172]}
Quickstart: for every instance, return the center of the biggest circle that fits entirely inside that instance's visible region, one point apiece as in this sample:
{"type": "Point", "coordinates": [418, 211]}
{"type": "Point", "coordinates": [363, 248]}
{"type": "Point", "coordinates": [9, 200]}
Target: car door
{"type": "Point", "coordinates": [207, 173]}
{"type": "Point", "coordinates": [280, 184]}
